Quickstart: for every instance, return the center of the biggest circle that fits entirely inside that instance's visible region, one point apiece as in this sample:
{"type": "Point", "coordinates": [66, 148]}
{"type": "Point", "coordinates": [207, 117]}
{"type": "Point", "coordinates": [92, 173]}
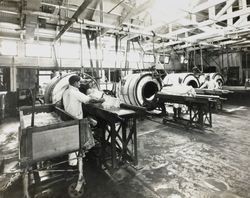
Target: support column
{"type": "Point", "coordinates": [13, 72]}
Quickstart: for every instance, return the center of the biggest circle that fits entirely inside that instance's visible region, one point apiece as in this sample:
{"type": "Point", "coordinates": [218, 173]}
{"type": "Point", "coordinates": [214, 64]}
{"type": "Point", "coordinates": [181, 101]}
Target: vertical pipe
{"type": "Point", "coordinates": [126, 57]}
{"type": "Point", "coordinates": [246, 66]}
{"type": "Point", "coordinates": [222, 61]}
{"type": "Point", "coordinates": [67, 10]}
{"type": "Point", "coordinates": [201, 59]}
{"type": "Point", "coordinates": [13, 75]}
{"type": "Point", "coordinates": [97, 61]}
{"type": "Point", "coordinates": [100, 41]}
{"type": "Point", "coordinates": [38, 38]}
{"type": "Point", "coordinates": [55, 56]}
{"type": "Point", "coordinates": [194, 57]}
{"type": "Point", "coordinates": [81, 49]}
{"type": "Point", "coordinates": [227, 58]}
{"type": "Point", "coordinates": [101, 54]}
{"type": "Point", "coordinates": [116, 54]}
{"type": "Point", "coordinates": [33, 95]}
{"type": "Point", "coordinates": [101, 11]}
{"type": "Point", "coordinates": [89, 48]}
{"type": "Point", "coordinates": [120, 56]}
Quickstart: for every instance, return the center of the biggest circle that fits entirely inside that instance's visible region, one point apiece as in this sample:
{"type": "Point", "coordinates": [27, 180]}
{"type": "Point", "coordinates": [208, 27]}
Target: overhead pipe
{"type": "Point", "coordinates": [100, 40]}
{"type": "Point", "coordinates": [81, 49]}
{"type": "Point", "coordinates": [115, 6]}
{"type": "Point", "coordinates": [97, 60]}
{"type": "Point", "coordinates": [74, 18]}
{"type": "Point", "coordinates": [89, 48]}
{"type": "Point", "coordinates": [126, 57]}
{"type": "Point", "coordinates": [65, 7]}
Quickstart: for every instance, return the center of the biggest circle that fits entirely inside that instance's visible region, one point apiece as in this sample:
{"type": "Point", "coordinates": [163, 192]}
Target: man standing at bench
{"type": "Point", "coordinates": [72, 102]}
{"type": "Point", "coordinates": [209, 83]}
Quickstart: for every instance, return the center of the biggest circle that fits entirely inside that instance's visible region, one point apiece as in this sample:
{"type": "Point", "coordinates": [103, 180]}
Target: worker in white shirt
{"type": "Point", "coordinates": [209, 84]}
{"type": "Point", "coordinates": [73, 98]}
{"type": "Point", "coordinates": [72, 102]}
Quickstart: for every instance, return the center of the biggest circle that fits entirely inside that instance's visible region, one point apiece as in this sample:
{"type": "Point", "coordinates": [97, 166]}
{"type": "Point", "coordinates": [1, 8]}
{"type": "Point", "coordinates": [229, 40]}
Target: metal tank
{"type": "Point", "coordinates": [58, 84]}
{"type": "Point", "coordinates": [140, 88]}
{"type": "Point", "coordinates": [187, 79]}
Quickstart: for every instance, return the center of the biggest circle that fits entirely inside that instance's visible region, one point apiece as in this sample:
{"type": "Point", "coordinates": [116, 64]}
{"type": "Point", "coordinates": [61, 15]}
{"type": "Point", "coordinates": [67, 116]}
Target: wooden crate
{"type": "Point", "coordinates": [40, 143]}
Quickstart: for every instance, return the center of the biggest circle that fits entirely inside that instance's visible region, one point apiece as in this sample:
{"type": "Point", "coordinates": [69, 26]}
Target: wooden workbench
{"type": "Point", "coordinates": [199, 108]}
{"type": "Point", "coordinates": [118, 136]}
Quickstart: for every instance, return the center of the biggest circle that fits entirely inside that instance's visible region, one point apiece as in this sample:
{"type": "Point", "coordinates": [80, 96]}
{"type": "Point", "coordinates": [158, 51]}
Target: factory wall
{"type": "Point", "coordinates": [71, 59]}
{"type": "Point", "coordinates": [175, 64]}
{"type": "Point", "coordinates": [229, 64]}
{"type": "Point", "coordinates": [41, 55]}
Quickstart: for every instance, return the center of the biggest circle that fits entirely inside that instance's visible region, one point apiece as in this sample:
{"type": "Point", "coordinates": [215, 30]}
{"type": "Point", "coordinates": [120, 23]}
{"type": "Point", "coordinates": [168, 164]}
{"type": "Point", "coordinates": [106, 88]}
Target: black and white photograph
{"type": "Point", "coordinates": [124, 98]}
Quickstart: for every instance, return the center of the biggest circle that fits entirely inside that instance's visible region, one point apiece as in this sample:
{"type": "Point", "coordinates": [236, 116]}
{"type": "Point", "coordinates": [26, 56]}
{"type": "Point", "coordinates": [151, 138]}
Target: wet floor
{"type": "Point", "coordinates": [173, 162]}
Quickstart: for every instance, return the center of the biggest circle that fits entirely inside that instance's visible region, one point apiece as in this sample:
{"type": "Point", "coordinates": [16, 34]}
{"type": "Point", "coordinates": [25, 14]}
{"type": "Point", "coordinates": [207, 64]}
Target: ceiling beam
{"type": "Point", "coordinates": [224, 9]}
{"type": "Point", "coordinates": [120, 2]}
{"type": "Point", "coordinates": [79, 11]}
{"type": "Point", "coordinates": [73, 8]}
{"type": "Point", "coordinates": [223, 43]}
{"type": "Point", "coordinates": [131, 13]}
{"type": "Point", "coordinates": [206, 5]}
{"type": "Point", "coordinates": [242, 12]}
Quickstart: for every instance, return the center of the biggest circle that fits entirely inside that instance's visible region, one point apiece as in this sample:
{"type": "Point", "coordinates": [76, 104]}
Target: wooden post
{"type": "Point", "coordinates": [13, 72]}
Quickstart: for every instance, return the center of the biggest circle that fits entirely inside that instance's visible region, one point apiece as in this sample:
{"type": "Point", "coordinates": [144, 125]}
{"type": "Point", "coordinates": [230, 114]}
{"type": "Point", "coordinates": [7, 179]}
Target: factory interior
{"type": "Point", "coordinates": [124, 99]}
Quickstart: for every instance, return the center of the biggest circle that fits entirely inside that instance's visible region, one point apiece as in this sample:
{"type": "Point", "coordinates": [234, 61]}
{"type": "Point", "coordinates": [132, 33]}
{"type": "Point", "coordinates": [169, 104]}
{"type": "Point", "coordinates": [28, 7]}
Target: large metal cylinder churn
{"type": "Point", "coordinates": [140, 88]}
{"type": "Point", "coordinates": [58, 84]}
{"type": "Point", "coordinates": [187, 79]}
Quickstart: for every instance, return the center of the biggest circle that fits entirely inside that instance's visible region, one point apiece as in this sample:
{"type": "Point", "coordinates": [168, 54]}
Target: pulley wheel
{"type": "Point", "coordinates": [73, 193]}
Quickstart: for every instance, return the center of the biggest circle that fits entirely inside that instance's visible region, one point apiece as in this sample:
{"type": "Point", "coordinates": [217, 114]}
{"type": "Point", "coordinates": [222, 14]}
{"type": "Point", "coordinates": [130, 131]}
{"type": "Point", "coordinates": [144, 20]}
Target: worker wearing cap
{"type": "Point", "coordinates": [196, 71]}
{"type": "Point", "coordinates": [209, 84]}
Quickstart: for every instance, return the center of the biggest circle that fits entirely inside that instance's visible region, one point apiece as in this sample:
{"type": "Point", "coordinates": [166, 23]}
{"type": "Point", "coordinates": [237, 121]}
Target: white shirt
{"type": "Point", "coordinates": [180, 89]}
{"type": "Point", "coordinates": [209, 85]}
{"type": "Point", "coordinates": [72, 101]}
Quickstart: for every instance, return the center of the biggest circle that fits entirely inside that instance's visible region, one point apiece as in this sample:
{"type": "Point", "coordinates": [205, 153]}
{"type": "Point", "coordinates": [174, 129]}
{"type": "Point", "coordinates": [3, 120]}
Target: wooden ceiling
{"type": "Point", "coordinates": [158, 25]}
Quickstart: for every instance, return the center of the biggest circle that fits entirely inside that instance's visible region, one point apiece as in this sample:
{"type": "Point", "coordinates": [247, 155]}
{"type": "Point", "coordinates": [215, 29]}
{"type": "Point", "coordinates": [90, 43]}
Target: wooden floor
{"type": "Point", "coordinates": [173, 161]}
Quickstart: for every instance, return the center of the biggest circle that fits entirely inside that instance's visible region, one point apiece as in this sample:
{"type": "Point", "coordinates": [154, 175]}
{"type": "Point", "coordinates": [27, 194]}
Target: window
{"type": "Point", "coordinates": [8, 48]}
{"type": "Point", "coordinates": [164, 59]}
{"type": "Point", "coordinates": [111, 56]}
{"type": "Point", "coordinates": [67, 50]}
{"type": "Point", "coordinates": [38, 50]}
{"type": "Point", "coordinates": [134, 56]}
{"type": "Point", "coordinates": [148, 58]}
{"type": "Point", "coordinates": [95, 55]}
